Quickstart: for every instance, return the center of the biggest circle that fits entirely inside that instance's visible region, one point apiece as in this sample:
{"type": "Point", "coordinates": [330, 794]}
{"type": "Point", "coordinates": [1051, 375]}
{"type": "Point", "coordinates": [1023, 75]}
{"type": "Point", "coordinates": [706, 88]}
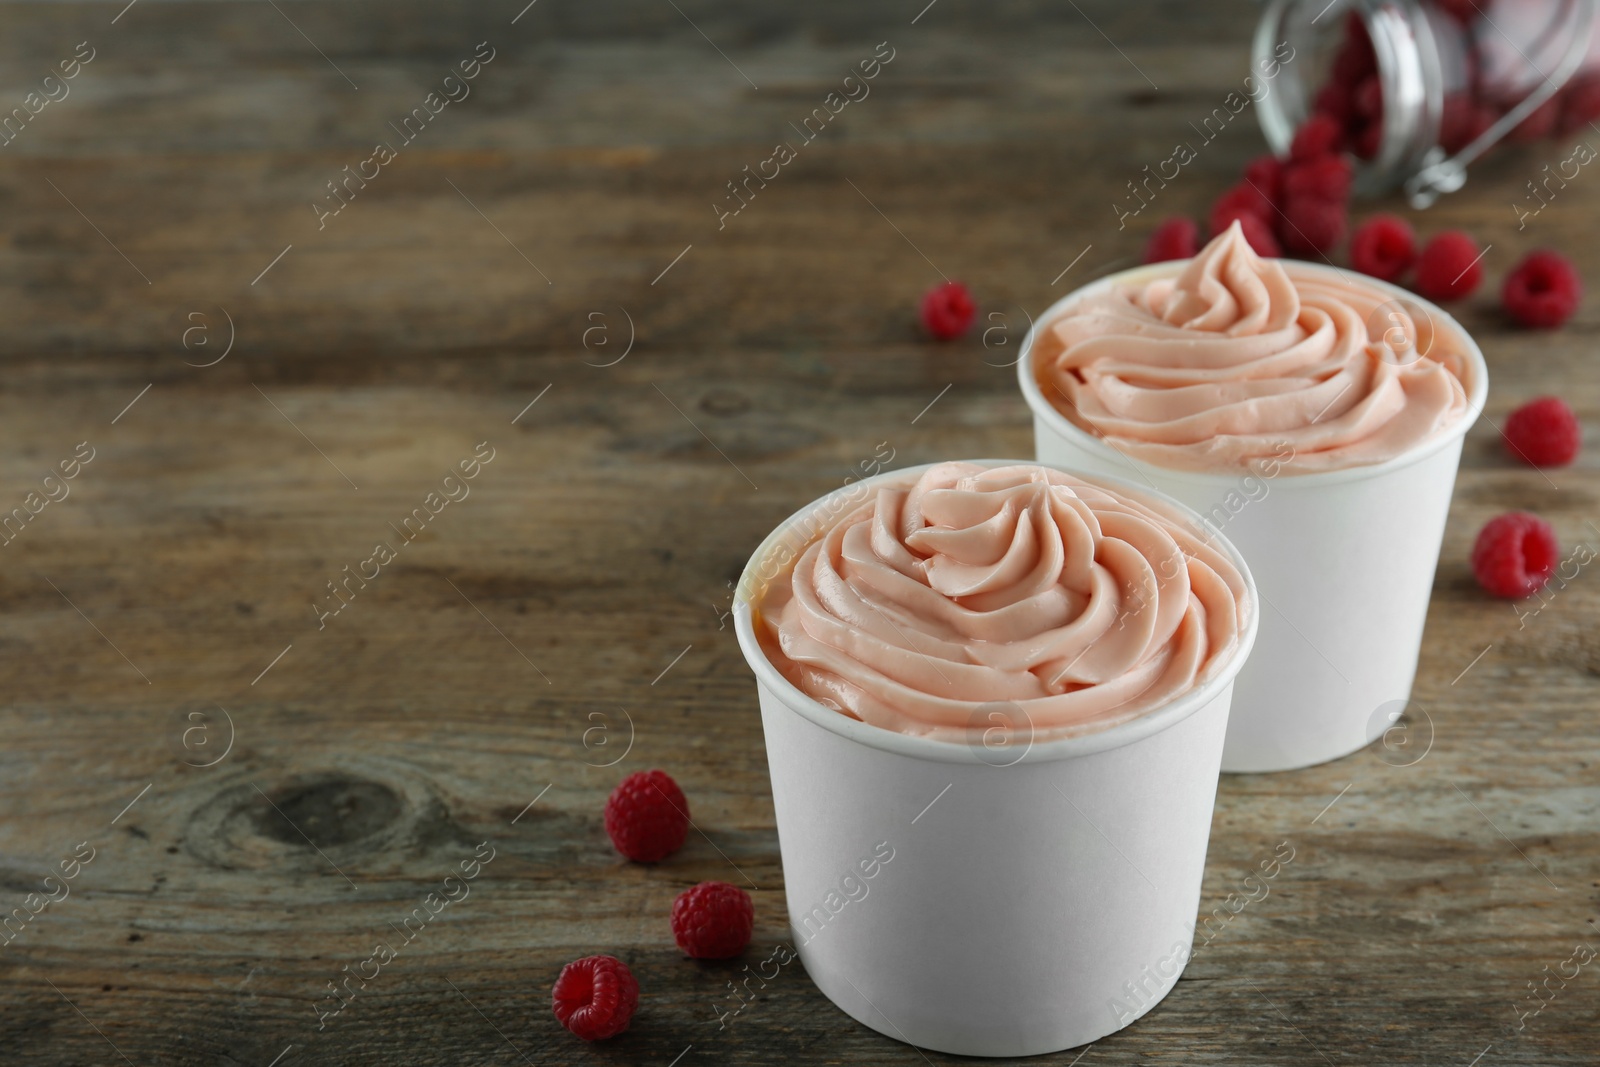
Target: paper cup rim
{"type": "Point", "coordinates": [1097, 445]}
{"type": "Point", "coordinates": [935, 750]}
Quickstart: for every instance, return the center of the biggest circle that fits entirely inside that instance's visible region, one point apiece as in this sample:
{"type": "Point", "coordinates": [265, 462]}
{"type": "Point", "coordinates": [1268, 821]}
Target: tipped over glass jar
{"type": "Point", "coordinates": [1422, 88]}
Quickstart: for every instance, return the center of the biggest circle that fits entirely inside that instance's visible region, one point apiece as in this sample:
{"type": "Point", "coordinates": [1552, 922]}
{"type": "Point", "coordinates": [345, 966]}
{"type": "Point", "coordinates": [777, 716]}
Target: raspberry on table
{"type": "Point", "coordinates": [947, 310]}
{"type": "Point", "coordinates": [595, 997]}
{"type": "Point", "coordinates": [1449, 267]}
{"type": "Point", "coordinates": [1543, 290]}
{"type": "Point", "coordinates": [713, 920]}
{"type": "Point", "coordinates": [1384, 247]}
{"type": "Point", "coordinates": [647, 816]}
{"type": "Point", "coordinates": [1515, 554]}
{"type": "Point", "coordinates": [1176, 238]}
{"type": "Point", "coordinates": [1323, 178]}
{"type": "Point", "coordinates": [1543, 433]}
{"type": "Point", "coordinates": [1311, 226]}
{"type": "Point", "coordinates": [1319, 135]}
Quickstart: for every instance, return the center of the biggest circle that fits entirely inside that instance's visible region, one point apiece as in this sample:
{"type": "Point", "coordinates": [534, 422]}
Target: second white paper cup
{"type": "Point", "coordinates": [1344, 561]}
{"type": "Point", "coordinates": [1001, 899]}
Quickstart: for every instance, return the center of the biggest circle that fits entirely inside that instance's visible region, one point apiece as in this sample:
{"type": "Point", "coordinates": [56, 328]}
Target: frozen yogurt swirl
{"type": "Point", "coordinates": [1237, 356]}
{"type": "Point", "coordinates": [941, 596]}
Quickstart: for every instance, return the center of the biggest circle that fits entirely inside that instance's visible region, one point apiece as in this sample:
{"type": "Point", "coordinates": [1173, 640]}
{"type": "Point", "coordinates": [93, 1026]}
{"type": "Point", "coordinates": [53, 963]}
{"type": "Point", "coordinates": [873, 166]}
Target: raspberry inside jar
{"type": "Point", "coordinates": [1420, 90]}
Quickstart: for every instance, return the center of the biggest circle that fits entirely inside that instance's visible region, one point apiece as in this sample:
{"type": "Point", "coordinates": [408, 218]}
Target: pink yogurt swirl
{"type": "Point", "coordinates": [940, 596]}
{"type": "Point", "coordinates": [1238, 356]}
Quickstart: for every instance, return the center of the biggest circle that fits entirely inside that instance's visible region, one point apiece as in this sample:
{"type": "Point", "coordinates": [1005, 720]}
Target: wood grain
{"type": "Point", "coordinates": [461, 684]}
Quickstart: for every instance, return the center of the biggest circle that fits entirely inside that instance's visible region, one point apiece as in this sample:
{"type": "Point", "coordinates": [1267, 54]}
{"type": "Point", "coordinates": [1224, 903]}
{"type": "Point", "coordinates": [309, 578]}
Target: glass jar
{"type": "Point", "coordinates": [1421, 88]}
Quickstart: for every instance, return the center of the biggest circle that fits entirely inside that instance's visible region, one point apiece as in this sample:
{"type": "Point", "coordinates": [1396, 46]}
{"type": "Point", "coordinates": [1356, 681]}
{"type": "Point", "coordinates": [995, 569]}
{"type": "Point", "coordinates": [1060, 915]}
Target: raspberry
{"type": "Point", "coordinates": [1176, 238]}
{"type": "Point", "coordinates": [595, 997]}
{"type": "Point", "coordinates": [1384, 246]}
{"type": "Point", "coordinates": [1240, 199]}
{"type": "Point", "coordinates": [1355, 59]}
{"type": "Point", "coordinates": [1368, 140]}
{"type": "Point", "coordinates": [1265, 173]}
{"type": "Point", "coordinates": [1543, 290]}
{"type": "Point", "coordinates": [1515, 554]}
{"type": "Point", "coordinates": [1448, 267]}
{"type": "Point", "coordinates": [1463, 11]}
{"type": "Point", "coordinates": [947, 310]}
{"type": "Point", "coordinates": [1462, 122]}
{"type": "Point", "coordinates": [1311, 225]}
{"type": "Point", "coordinates": [1543, 433]}
{"type": "Point", "coordinates": [1454, 119]}
{"type": "Point", "coordinates": [1580, 102]}
{"type": "Point", "coordinates": [1368, 99]}
{"type": "Point", "coordinates": [647, 816]}
{"type": "Point", "coordinates": [1322, 178]}
{"type": "Point", "coordinates": [1258, 235]}
{"type": "Point", "coordinates": [713, 920]}
{"type": "Point", "coordinates": [1319, 135]}
{"type": "Point", "coordinates": [1540, 122]}
{"type": "Point", "coordinates": [1334, 101]}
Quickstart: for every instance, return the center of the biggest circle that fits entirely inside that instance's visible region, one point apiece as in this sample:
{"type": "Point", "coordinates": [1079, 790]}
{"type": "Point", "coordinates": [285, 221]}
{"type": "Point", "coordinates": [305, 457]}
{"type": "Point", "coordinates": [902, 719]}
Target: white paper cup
{"type": "Point", "coordinates": [1344, 561]}
{"type": "Point", "coordinates": [1035, 896]}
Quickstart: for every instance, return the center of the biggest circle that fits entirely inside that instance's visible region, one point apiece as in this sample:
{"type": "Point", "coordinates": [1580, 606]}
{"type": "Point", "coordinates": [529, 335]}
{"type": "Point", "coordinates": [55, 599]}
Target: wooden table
{"type": "Point", "coordinates": [267, 392]}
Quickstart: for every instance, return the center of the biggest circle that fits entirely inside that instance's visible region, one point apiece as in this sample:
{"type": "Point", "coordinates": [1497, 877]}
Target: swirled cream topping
{"type": "Point", "coordinates": [939, 599]}
{"type": "Point", "coordinates": [1239, 358]}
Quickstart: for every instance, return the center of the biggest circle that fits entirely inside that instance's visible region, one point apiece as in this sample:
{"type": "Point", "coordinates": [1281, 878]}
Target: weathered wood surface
{"type": "Point", "coordinates": [598, 544]}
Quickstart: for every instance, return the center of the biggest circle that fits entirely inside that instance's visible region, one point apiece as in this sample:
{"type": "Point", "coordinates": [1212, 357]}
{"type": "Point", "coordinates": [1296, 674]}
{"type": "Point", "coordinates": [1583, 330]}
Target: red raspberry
{"type": "Point", "coordinates": [1319, 135]}
{"type": "Point", "coordinates": [1463, 11]}
{"type": "Point", "coordinates": [1462, 122]}
{"type": "Point", "coordinates": [1334, 100]}
{"type": "Point", "coordinates": [713, 920]}
{"type": "Point", "coordinates": [1368, 98]}
{"type": "Point", "coordinates": [1540, 123]}
{"type": "Point", "coordinates": [1240, 199]}
{"type": "Point", "coordinates": [1580, 102]}
{"type": "Point", "coordinates": [948, 310]}
{"type": "Point", "coordinates": [1176, 238]}
{"type": "Point", "coordinates": [595, 997]}
{"type": "Point", "coordinates": [1454, 119]}
{"type": "Point", "coordinates": [1448, 267]}
{"type": "Point", "coordinates": [1311, 226]}
{"type": "Point", "coordinates": [1265, 173]}
{"type": "Point", "coordinates": [1368, 140]}
{"type": "Point", "coordinates": [1323, 178]}
{"type": "Point", "coordinates": [647, 816]}
{"type": "Point", "coordinates": [1384, 246]}
{"type": "Point", "coordinates": [1258, 235]}
{"type": "Point", "coordinates": [1515, 554]}
{"type": "Point", "coordinates": [1543, 433]}
{"type": "Point", "coordinates": [1543, 290]}
{"type": "Point", "coordinates": [1355, 59]}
